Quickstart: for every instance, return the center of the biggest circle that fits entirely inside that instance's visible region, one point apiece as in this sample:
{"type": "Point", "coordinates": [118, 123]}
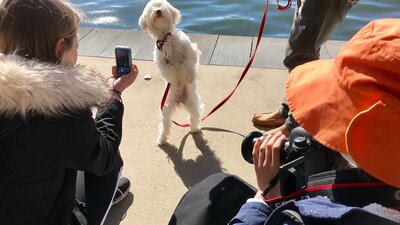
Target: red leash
{"type": "Point", "coordinates": [260, 32]}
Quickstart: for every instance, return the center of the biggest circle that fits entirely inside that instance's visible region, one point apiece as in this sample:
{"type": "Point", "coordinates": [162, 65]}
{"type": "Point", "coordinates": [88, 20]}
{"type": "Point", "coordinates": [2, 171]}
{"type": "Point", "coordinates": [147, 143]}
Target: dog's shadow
{"type": "Point", "coordinates": [191, 171]}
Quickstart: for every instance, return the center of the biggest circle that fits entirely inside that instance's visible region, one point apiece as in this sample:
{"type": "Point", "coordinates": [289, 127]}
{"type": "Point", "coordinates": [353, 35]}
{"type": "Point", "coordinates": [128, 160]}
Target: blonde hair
{"type": "Point", "coordinates": [31, 28]}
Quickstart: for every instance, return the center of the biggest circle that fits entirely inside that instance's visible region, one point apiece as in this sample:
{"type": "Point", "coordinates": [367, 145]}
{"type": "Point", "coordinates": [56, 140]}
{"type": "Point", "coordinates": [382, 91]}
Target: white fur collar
{"type": "Point", "coordinates": [29, 86]}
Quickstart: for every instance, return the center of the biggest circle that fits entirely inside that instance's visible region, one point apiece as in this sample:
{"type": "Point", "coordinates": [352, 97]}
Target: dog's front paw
{"type": "Point", "coordinates": [161, 140]}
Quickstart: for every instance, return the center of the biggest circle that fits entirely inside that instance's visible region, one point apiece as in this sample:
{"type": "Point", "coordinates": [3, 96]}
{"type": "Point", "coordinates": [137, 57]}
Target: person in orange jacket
{"type": "Point", "coordinates": [350, 105]}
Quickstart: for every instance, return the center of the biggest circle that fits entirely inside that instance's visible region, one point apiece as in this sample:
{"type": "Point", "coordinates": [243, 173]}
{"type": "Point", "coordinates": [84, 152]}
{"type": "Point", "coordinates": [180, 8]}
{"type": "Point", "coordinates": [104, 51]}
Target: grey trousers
{"type": "Point", "coordinates": [314, 22]}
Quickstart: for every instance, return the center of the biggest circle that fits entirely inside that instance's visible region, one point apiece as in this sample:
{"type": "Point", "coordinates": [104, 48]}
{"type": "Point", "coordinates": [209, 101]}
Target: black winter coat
{"type": "Point", "coordinates": [47, 133]}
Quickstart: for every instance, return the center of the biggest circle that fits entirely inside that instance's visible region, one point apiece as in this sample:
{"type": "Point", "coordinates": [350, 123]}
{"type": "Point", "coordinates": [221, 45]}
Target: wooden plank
{"type": "Point", "coordinates": [232, 51]}
{"type": "Point", "coordinates": [270, 53]}
{"type": "Point", "coordinates": [146, 47]}
{"type": "Point", "coordinates": [136, 40]}
{"type": "Point", "coordinates": [206, 44]}
{"type": "Point", "coordinates": [216, 49]}
{"type": "Point", "coordinates": [97, 41]}
{"type": "Point", "coordinates": [82, 32]}
{"type": "Point", "coordinates": [334, 47]}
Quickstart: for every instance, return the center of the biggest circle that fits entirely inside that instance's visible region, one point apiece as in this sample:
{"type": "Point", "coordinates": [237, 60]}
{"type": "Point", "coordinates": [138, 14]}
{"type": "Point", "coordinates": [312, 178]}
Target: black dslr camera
{"type": "Point", "coordinates": [301, 156]}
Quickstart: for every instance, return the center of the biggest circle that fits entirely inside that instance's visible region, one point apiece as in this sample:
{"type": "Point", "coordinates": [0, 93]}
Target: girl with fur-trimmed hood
{"type": "Point", "coordinates": [47, 131]}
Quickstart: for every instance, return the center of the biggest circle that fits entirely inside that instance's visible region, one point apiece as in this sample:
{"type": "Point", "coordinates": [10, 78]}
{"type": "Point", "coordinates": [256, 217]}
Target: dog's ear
{"type": "Point", "coordinates": [142, 23]}
{"type": "Point", "coordinates": [176, 15]}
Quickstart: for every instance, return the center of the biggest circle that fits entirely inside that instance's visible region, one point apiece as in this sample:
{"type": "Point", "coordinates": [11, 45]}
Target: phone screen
{"type": "Point", "coordinates": [124, 60]}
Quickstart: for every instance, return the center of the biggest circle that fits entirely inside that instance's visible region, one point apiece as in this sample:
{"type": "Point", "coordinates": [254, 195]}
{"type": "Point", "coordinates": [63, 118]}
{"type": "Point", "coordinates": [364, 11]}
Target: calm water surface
{"type": "Point", "coordinates": [228, 17]}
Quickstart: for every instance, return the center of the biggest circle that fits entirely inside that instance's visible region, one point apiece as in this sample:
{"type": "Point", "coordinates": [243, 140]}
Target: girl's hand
{"type": "Point", "coordinates": [120, 83]}
{"type": "Point", "coordinates": [266, 157]}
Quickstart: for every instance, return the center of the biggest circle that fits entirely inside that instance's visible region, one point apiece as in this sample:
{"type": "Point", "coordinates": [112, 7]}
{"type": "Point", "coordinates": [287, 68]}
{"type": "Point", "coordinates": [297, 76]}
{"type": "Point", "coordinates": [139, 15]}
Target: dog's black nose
{"type": "Point", "coordinates": [158, 11]}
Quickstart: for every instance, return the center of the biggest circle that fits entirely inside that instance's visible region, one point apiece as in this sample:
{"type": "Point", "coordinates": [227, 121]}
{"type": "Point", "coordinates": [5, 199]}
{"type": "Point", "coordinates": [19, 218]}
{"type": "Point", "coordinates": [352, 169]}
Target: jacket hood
{"type": "Point", "coordinates": [32, 87]}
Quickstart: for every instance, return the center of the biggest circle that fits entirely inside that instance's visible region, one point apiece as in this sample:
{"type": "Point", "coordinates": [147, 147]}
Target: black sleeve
{"type": "Point", "coordinates": [96, 141]}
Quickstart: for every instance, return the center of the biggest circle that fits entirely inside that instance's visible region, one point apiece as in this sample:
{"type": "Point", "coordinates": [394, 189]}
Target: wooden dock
{"type": "Point", "coordinates": [216, 49]}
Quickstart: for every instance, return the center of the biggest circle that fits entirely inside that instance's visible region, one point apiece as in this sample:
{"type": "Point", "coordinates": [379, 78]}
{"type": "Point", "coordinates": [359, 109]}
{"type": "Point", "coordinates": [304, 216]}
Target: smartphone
{"type": "Point", "coordinates": [123, 58]}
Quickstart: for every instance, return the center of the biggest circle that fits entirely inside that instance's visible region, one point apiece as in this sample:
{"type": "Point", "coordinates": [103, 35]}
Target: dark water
{"type": "Point", "coordinates": [229, 17]}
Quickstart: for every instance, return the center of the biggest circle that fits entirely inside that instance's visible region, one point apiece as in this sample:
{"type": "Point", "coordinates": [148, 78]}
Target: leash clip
{"type": "Point", "coordinates": [283, 8]}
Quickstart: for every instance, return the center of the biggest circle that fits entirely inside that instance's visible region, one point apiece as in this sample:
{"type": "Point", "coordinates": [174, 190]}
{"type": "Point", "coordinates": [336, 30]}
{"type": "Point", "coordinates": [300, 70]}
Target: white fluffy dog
{"type": "Point", "coordinates": [177, 59]}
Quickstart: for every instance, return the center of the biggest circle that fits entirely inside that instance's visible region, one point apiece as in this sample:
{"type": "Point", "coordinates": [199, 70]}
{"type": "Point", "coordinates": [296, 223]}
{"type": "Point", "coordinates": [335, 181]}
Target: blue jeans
{"type": "Point", "coordinates": [314, 21]}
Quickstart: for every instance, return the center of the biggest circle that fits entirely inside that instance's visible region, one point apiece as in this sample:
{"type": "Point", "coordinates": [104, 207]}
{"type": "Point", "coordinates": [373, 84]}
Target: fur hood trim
{"type": "Point", "coordinates": [33, 87]}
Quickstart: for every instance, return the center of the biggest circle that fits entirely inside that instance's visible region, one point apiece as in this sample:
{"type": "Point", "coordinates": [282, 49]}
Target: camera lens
{"type": "Point", "coordinates": [248, 145]}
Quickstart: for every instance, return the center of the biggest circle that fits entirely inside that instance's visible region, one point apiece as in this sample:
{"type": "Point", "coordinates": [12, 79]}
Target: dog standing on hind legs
{"type": "Point", "coordinates": [177, 59]}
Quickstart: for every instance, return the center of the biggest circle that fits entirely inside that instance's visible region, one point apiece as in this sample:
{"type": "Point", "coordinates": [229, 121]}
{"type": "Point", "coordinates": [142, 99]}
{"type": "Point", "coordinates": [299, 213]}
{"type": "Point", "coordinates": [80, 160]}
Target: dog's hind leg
{"type": "Point", "coordinates": [194, 107]}
{"type": "Point", "coordinates": [166, 122]}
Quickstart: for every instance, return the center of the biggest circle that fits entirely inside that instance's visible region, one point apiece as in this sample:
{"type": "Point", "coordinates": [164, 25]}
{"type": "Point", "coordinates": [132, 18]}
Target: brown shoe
{"type": "Point", "coordinates": [270, 119]}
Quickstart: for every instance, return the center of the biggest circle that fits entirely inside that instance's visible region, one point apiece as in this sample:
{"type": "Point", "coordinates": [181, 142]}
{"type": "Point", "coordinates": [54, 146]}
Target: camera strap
{"type": "Point", "coordinates": [351, 187]}
{"type": "Point", "coordinates": [271, 185]}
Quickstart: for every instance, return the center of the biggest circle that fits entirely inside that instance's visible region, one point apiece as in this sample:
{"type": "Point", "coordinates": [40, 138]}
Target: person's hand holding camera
{"type": "Point", "coordinates": [266, 157]}
{"type": "Point", "coordinates": [118, 83]}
